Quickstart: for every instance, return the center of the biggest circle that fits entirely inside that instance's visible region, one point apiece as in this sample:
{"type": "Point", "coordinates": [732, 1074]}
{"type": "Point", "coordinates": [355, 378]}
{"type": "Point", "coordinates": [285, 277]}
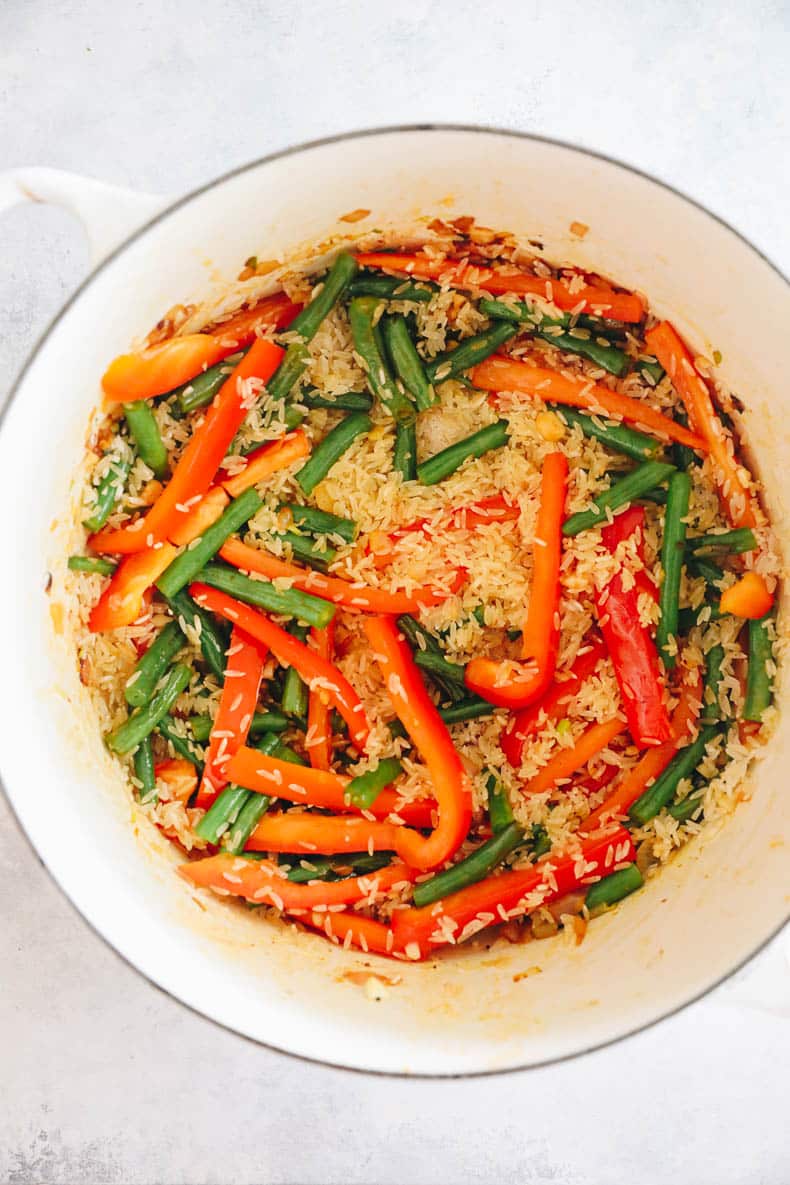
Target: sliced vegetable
{"type": "Point", "coordinates": [143, 721]}
{"type": "Point", "coordinates": [567, 762]}
{"type": "Point", "coordinates": [429, 656]}
{"type": "Point", "coordinates": [504, 374]}
{"type": "Point", "coordinates": [320, 522]}
{"type": "Point", "coordinates": [362, 313]}
{"type": "Point", "coordinates": [162, 367]}
{"type": "Point", "coordinates": [613, 888]}
{"type": "Point", "coordinates": [562, 334]}
{"type": "Point", "coordinates": [295, 691]}
{"type": "Point", "coordinates": [318, 740]}
{"type": "Point", "coordinates": [404, 456]}
{"type": "Point", "coordinates": [734, 542]}
{"type": "Point", "coordinates": [289, 602]}
{"type": "Point", "coordinates": [500, 811]}
{"type": "Point", "coordinates": [711, 705]}
{"type": "Point", "coordinates": [221, 813]}
{"type": "Point", "coordinates": [408, 364]}
{"type": "Point", "coordinates": [672, 547]}
{"type": "Point", "coordinates": [325, 296]}
{"type": "Point", "coordinates": [201, 389]}
{"type": "Point", "coordinates": [336, 442]}
{"type": "Point", "coordinates": [391, 288]}
{"type": "Point", "coordinates": [621, 493]}
{"type": "Point", "coordinates": [122, 601]}
{"type": "Point", "coordinates": [243, 672]}
{"type": "Point", "coordinates": [748, 597]}
{"type": "Point", "coordinates": [759, 678]}
{"type": "Point", "coordinates": [308, 550]}
{"type": "Point", "coordinates": [248, 818]}
{"type": "Point", "coordinates": [91, 563]}
{"type": "Point", "coordinates": [469, 352]}
{"type": "Point", "coordinates": [190, 562]}
{"type": "Point", "coordinates": [181, 744]}
{"type": "Point", "coordinates": [350, 401]}
{"type": "Point", "coordinates": [663, 790]}
{"type": "Point", "coordinates": [363, 790]}
{"type": "Point", "coordinates": [108, 491]}
{"type": "Point", "coordinates": [324, 835]}
{"type": "Point", "coordinates": [152, 665]}
{"type": "Point", "coordinates": [471, 869]}
{"type": "Point", "coordinates": [261, 464]}
{"type": "Point", "coordinates": [144, 771]}
{"type": "Point", "coordinates": [614, 435]}
{"type": "Point", "coordinates": [144, 430]}
{"type": "Point", "coordinates": [212, 640]}
{"type": "Point", "coordinates": [442, 464]}
{"type": "Point", "coordinates": [382, 545]}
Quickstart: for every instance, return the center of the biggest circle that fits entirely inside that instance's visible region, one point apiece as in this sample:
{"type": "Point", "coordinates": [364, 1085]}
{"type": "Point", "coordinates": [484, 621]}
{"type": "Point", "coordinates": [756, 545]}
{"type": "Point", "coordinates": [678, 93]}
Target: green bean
{"type": "Point", "coordinates": [200, 390]}
{"type": "Point", "coordinates": [688, 618]}
{"type": "Point", "coordinates": [108, 491]}
{"type": "Point", "coordinates": [143, 721]}
{"type": "Point", "coordinates": [281, 751]}
{"type": "Point", "coordinates": [408, 364]}
{"type": "Point", "coordinates": [306, 550]}
{"type": "Point", "coordinates": [144, 770]}
{"type": "Point", "coordinates": [336, 442]}
{"type": "Point", "coordinates": [364, 789]}
{"type": "Point", "coordinates": [467, 709]}
{"type": "Point", "coordinates": [304, 868]}
{"type": "Point", "coordinates": [368, 344]}
{"type": "Point", "coordinates": [91, 563]}
{"type": "Point", "coordinates": [192, 559]}
{"type": "Point", "coordinates": [391, 288]}
{"type": "Point", "coordinates": [181, 744]}
{"type": "Point", "coordinates": [289, 372]}
{"type": "Point", "coordinates": [428, 654]}
{"type": "Point", "coordinates": [471, 869]}
{"type": "Point", "coordinates": [469, 352]}
{"type": "Point", "coordinates": [613, 888]}
{"type": "Point", "coordinates": [709, 571]}
{"type": "Point", "coordinates": [651, 370]}
{"type": "Point", "coordinates": [627, 490]}
{"type": "Point", "coordinates": [223, 811]}
{"type": "Point", "coordinates": [539, 841]}
{"type": "Point", "coordinates": [680, 454]}
{"type": "Point", "coordinates": [759, 683]}
{"type": "Point", "coordinates": [672, 549]}
{"type": "Point", "coordinates": [320, 522]}
{"type": "Point", "coordinates": [144, 430]}
{"type": "Point", "coordinates": [245, 823]}
{"type": "Point", "coordinates": [711, 704]}
{"type": "Point", "coordinates": [341, 273]}
{"type": "Point", "coordinates": [442, 464]}
{"type": "Point", "coordinates": [616, 436]}
{"type": "Point", "coordinates": [574, 341]}
{"type": "Point", "coordinates": [734, 542]}
{"type": "Point", "coordinates": [663, 790]}
{"type": "Point", "coordinates": [295, 692]}
{"type": "Point", "coordinates": [152, 665]}
{"type": "Point", "coordinates": [500, 811]}
{"type": "Point", "coordinates": [270, 721]}
{"type": "Point", "coordinates": [656, 495]}
{"type": "Point", "coordinates": [351, 401]}
{"type": "Point", "coordinates": [290, 602]}
{"type": "Point", "coordinates": [404, 456]}
{"type": "Point", "coordinates": [213, 638]}
{"type": "Point", "coordinates": [686, 807]}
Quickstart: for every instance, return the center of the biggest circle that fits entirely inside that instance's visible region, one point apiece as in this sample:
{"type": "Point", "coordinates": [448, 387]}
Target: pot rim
{"type": "Point", "coordinates": [94, 273]}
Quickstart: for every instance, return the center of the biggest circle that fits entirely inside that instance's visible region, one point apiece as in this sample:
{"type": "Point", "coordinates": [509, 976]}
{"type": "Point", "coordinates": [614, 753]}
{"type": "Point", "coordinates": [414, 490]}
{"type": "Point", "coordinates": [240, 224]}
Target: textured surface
{"type": "Point", "coordinates": [109, 1080]}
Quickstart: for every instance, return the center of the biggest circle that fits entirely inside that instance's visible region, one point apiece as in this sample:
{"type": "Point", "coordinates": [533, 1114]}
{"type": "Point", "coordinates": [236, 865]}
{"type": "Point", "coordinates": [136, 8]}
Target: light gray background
{"type": "Point", "coordinates": [104, 1079]}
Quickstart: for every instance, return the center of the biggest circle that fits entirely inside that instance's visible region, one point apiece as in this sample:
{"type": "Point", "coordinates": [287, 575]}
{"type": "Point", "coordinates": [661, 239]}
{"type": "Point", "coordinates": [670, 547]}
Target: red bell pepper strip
{"type": "Point", "coordinates": [239, 697]}
{"type": "Point", "coordinates": [509, 684]}
{"type": "Point", "coordinates": [382, 545]}
{"type": "Point", "coordinates": [318, 739]}
{"type": "Point", "coordinates": [353, 929]}
{"type": "Point", "coordinates": [202, 457]}
{"type": "Point", "coordinates": [748, 597]}
{"type": "Point", "coordinates": [498, 373]}
{"type": "Point", "coordinates": [633, 652]}
{"type": "Point", "coordinates": [603, 302]}
{"type": "Point", "coordinates": [308, 835]}
{"type": "Point", "coordinates": [263, 883]}
{"type": "Point", "coordinates": [422, 722]}
{"type": "Point", "coordinates": [567, 762]}
{"type": "Point", "coordinates": [321, 788]}
{"type": "Point", "coordinates": [340, 592]}
{"type": "Point", "coordinates": [736, 497]}
{"type": "Point", "coordinates": [654, 761]}
{"type": "Point", "coordinates": [315, 670]}
{"type": "Point", "coordinates": [552, 706]}
{"type": "Point", "coordinates": [265, 461]}
{"type": "Point", "coordinates": [627, 523]}
{"type": "Point", "coordinates": [509, 895]}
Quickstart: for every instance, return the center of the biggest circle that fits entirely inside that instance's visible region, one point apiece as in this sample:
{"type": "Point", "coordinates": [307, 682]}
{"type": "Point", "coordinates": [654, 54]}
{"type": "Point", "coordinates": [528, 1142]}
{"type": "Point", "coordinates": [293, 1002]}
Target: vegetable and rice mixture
{"type": "Point", "coordinates": [426, 595]}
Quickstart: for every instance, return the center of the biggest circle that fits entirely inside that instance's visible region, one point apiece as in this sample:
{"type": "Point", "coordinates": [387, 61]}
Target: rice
{"type": "Point", "coordinates": [497, 557]}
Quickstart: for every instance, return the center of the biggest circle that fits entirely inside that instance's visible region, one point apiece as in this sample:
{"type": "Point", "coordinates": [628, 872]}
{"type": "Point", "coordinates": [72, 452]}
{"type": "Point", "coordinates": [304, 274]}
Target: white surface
{"type": "Point", "coordinates": [110, 1080]}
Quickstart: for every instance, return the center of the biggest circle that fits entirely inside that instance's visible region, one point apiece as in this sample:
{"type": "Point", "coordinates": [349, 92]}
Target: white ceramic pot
{"type": "Point", "coordinates": [477, 1011]}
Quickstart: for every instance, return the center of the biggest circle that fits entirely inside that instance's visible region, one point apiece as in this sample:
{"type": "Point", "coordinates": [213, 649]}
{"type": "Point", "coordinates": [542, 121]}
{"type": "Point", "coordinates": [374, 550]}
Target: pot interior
{"type": "Point", "coordinates": [480, 1009]}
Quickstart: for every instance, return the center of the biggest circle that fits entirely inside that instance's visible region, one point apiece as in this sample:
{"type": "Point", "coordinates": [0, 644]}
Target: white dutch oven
{"type": "Point", "coordinates": [476, 1011]}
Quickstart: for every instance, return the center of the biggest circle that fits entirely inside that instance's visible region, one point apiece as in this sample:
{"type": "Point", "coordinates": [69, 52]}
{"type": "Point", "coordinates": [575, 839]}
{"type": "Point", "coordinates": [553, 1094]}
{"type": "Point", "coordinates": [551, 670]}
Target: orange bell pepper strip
{"type": "Point", "coordinates": [262, 882]}
{"type": "Point", "coordinates": [654, 761]}
{"type": "Point", "coordinates": [631, 647]}
{"type": "Point", "coordinates": [552, 706]}
{"type": "Point", "coordinates": [241, 329]}
{"type": "Point", "coordinates": [179, 776]}
{"type": "Point", "coordinates": [122, 600]}
{"type": "Point", "coordinates": [514, 685]}
{"type": "Point", "coordinates": [748, 597]}
{"type": "Point", "coordinates": [499, 898]}
{"type": "Point", "coordinates": [348, 929]}
{"type": "Point", "coordinates": [429, 733]}
{"type": "Point", "coordinates": [382, 545]}
{"type": "Point", "coordinates": [315, 670]}
{"type": "Point", "coordinates": [734, 492]}
{"type": "Point", "coordinates": [603, 302]}
{"type": "Point", "coordinates": [265, 461]}
{"type": "Point", "coordinates": [203, 456]}
{"type": "Point", "coordinates": [318, 739]}
{"type": "Point", "coordinates": [162, 367]}
{"type": "Point", "coordinates": [236, 708]}
{"type": "Point", "coordinates": [499, 374]}
{"type": "Point", "coordinates": [567, 762]}
{"type": "Point", "coordinates": [340, 592]}
{"type": "Point", "coordinates": [321, 788]}
{"type": "Point", "coordinates": [322, 835]}
{"type": "Point", "coordinates": [202, 515]}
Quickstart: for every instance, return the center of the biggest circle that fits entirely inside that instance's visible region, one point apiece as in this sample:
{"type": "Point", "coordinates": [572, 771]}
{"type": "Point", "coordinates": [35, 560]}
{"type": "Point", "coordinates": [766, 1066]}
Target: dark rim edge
{"type": "Point", "coordinates": [280, 154]}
